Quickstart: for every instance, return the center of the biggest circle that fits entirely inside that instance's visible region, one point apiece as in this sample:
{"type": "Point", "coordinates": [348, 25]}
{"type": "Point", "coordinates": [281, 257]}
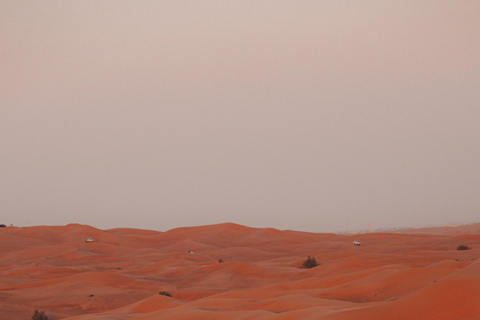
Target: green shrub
{"type": "Point", "coordinates": [39, 315]}
{"type": "Point", "coordinates": [220, 261]}
{"type": "Point", "coordinates": [165, 293]}
{"type": "Point", "coordinates": [463, 247]}
{"type": "Point", "coordinates": [310, 262]}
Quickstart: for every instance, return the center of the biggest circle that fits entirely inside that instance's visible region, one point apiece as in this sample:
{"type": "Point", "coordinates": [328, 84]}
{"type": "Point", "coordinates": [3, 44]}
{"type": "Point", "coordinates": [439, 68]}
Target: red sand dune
{"type": "Point", "coordinates": [408, 274]}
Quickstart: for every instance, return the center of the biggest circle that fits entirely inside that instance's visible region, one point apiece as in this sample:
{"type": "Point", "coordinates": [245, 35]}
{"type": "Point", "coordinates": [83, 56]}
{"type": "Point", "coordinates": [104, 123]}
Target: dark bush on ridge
{"type": "Point", "coordinates": [463, 247]}
{"type": "Point", "coordinates": [310, 262]}
{"type": "Point", "coordinates": [165, 293]}
{"type": "Point", "coordinates": [39, 315]}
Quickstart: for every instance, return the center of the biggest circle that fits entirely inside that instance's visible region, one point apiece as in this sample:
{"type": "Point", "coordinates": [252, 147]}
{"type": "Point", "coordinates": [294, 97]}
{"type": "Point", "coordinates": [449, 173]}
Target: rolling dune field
{"type": "Point", "coordinates": [408, 274]}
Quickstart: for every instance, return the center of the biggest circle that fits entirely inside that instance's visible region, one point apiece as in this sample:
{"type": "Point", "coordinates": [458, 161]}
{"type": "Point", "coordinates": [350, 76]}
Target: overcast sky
{"type": "Point", "coordinates": [307, 115]}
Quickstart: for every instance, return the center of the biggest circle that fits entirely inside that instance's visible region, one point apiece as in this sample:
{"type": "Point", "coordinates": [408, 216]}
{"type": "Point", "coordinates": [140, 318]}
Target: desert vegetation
{"type": "Point", "coordinates": [39, 315]}
{"type": "Point", "coordinates": [463, 247]}
{"type": "Point", "coordinates": [165, 293]}
{"type": "Point", "coordinates": [310, 263]}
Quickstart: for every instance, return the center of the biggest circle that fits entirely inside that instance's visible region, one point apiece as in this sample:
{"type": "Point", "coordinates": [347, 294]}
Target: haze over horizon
{"type": "Point", "coordinates": [306, 115]}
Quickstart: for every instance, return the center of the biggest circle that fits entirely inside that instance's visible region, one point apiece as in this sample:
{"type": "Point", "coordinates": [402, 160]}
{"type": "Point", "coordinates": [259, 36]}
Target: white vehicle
{"type": "Point", "coordinates": [89, 240]}
{"type": "Point", "coordinates": [357, 243]}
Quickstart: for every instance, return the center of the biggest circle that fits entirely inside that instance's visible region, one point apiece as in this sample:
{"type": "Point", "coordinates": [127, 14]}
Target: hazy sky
{"type": "Point", "coordinates": [306, 115]}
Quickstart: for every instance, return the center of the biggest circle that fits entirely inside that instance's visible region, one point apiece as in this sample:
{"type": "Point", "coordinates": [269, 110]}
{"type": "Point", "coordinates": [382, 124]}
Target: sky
{"type": "Point", "coordinates": [318, 116]}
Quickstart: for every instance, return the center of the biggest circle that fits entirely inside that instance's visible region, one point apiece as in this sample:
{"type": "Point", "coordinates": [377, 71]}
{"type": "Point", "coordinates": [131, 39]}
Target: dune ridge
{"type": "Point", "coordinates": [392, 275]}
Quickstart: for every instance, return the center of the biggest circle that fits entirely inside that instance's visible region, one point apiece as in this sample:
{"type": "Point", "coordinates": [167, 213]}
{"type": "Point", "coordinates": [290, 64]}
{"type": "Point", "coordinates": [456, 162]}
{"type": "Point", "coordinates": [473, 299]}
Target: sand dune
{"type": "Point", "coordinates": [412, 274]}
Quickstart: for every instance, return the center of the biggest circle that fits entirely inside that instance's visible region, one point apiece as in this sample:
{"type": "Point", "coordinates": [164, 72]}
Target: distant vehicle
{"type": "Point", "coordinates": [89, 240]}
{"type": "Point", "coordinates": [357, 243]}
{"type": "Point", "coordinates": [190, 252]}
{"type": "Point", "coordinates": [3, 225]}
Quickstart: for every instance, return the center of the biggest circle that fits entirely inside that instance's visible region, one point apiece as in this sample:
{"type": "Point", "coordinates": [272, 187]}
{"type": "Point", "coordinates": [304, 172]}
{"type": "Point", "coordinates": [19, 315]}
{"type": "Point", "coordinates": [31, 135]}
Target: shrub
{"type": "Point", "coordinates": [39, 315]}
{"type": "Point", "coordinates": [463, 247]}
{"type": "Point", "coordinates": [310, 262]}
{"type": "Point", "coordinates": [165, 293]}
{"type": "Point", "coordinates": [220, 261]}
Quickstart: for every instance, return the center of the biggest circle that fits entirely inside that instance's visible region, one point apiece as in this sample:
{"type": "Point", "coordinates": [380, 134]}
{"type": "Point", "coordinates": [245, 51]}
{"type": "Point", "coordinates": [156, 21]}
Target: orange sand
{"type": "Point", "coordinates": [412, 274]}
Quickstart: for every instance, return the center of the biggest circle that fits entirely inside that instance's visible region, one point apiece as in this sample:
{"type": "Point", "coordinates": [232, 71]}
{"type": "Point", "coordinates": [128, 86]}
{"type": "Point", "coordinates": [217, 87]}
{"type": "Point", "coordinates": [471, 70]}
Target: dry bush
{"type": "Point", "coordinates": [310, 262]}
{"type": "Point", "coordinates": [39, 315]}
{"type": "Point", "coordinates": [165, 293]}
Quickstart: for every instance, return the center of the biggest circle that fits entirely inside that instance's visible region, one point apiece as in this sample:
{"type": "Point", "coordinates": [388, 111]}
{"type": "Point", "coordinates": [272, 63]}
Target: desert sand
{"type": "Point", "coordinates": [409, 274]}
